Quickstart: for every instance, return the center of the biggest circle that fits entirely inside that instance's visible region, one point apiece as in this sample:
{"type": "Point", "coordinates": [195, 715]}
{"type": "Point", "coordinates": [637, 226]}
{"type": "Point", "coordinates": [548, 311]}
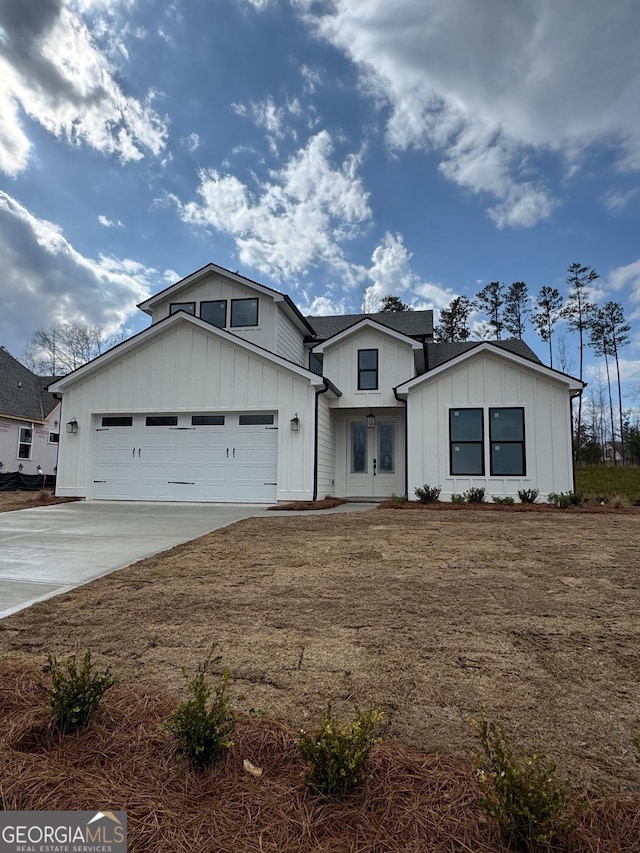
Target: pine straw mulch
{"type": "Point", "coordinates": [323, 503]}
{"type": "Point", "coordinates": [12, 501]}
{"type": "Point", "coordinates": [413, 802]}
{"type": "Point", "coordinates": [586, 508]}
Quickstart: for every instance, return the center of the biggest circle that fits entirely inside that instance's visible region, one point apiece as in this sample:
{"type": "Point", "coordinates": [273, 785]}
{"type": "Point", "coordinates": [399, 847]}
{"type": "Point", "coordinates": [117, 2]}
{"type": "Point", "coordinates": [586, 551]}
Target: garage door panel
{"type": "Point", "coordinates": [224, 463]}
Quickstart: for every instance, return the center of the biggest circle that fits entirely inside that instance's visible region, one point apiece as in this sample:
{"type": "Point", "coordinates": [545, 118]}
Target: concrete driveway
{"type": "Point", "coordinates": [50, 550]}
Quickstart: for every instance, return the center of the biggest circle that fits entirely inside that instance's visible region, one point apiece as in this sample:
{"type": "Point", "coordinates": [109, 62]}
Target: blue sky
{"type": "Point", "coordinates": [337, 151]}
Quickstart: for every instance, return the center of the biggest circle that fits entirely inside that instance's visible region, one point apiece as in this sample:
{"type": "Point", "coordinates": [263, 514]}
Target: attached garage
{"type": "Point", "coordinates": [228, 457]}
{"type": "Point", "coordinates": [185, 411]}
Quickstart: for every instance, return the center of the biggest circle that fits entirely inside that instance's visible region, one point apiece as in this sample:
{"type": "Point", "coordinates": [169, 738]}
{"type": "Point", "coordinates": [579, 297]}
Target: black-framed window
{"type": "Point", "coordinates": [25, 443]}
{"type": "Point", "coordinates": [207, 420]}
{"type": "Point", "coordinates": [161, 420]}
{"type": "Point", "coordinates": [54, 438]}
{"type": "Point", "coordinates": [255, 420]}
{"type": "Point", "coordinates": [117, 421]}
{"type": "Point", "coordinates": [214, 311]}
{"type": "Point", "coordinates": [506, 436]}
{"type": "Point", "coordinates": [367, 369]}
{"type": "Point", "coordinates": [316, 362]}
{"type": "Point", "coordinates": [466, 442]}
{"type": "Point", "coordinates": [188, 307]}
{"type": "Point", "coordinates": [244, 312]}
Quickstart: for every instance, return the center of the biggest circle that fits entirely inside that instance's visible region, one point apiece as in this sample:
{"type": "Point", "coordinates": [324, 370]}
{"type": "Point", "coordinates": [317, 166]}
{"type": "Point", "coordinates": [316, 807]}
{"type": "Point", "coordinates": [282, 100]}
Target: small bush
{"type": "Point", "coordinates": [428, 494]}
{"type": "Point", "coordinates": [457, 499]}
{"type": "Point", "coordinates": [528, 496]}
{"type": "Point", "coordinates": [399, 499]}
{"type": "Point", "coordinates": [76, 692]}
{"type": "Point", "coordinates": [507, 500]}
{"type": "Point", "coordinates": [474, 495]}
{"type": "Point", "coordinates": [521, 792]}
{"type": "Point", "coordinates": [203, 723]}
{"type": "Point", "coordinates": [564, 500]}
{"type": "Point", "coordinates": [336, 755]}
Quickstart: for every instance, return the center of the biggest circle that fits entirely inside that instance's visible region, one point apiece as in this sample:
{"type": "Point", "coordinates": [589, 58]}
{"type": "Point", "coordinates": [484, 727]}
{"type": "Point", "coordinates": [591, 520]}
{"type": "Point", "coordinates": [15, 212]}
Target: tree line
{"type": "Point", "coordinates": [508, 311]}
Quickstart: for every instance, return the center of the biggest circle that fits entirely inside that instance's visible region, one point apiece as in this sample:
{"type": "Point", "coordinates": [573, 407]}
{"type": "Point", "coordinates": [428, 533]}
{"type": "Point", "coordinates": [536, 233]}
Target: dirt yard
{"type": "Point", "coordinates": [429, 614]}
{"type": "Point", "coordinates": [10, 501]}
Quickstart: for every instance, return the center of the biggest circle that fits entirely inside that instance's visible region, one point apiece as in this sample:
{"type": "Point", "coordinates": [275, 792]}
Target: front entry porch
{"type": "Point", "coordinates": [370, 453]}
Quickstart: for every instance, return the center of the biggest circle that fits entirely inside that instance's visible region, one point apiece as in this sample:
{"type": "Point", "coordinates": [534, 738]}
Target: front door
{"type": "Point", "coordinates": [375, 458]}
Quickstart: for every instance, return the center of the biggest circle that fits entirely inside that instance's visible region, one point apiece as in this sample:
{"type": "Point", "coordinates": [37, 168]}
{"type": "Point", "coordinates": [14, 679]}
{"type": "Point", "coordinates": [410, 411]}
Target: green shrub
{"type": "Point", "coordinates": [507, 500]}
{"type": "Point", "coordinates": [76, 691]}
{"type": "Point", "coordinates": [474, 495]}
{"type": "Point", "coordinates": [428, 494]}
{"type": "Point", "coordinates": [203, 723]}
{"type": "Point", "coordinates": [457, 499]}
{"type": "Point", "coordinates": [528, 496]}
{"type": "Point", "coordinates": [399, 499]}
{"type": "Point", "coordinates": [564, 500]}
{"type": "Point", "coordinates": [520, 791]}
{"type": "Point", "coordinates": [336, 754]}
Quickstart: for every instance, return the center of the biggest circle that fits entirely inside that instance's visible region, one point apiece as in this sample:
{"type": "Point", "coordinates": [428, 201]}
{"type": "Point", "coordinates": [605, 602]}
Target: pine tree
{"type": "Point", "coordinates": [516, 309]}
{"type": "Point", "coordinates": [617, 330]}
{"type": "Point", "coordinates": [491, 300]}
{"type": "Point", "coordinates": [454, 321]}
{"type": "Point", "coordinates": [391, 304]}
{"type": "Point", "coordinates": [600, 342]}
{"type": "Point", "coordinates": [549, 305]}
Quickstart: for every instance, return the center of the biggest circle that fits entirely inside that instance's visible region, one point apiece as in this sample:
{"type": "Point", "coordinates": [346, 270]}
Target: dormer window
{"type": "Point", "coordinates": [244, 312]}
{"type": "Point", "coordinates": [188, 307]}
{"type": "Point", "coordinates": [367, 369]}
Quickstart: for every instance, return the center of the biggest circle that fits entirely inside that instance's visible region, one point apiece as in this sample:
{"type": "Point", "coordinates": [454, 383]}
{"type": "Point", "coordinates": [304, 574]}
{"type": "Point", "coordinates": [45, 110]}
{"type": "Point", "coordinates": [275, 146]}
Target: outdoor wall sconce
{"type": "Point", "coordinates": [39, 469]}
{"type": "Point", "coordinates": [72, 426]}
{"type": "Point", "coordinates": [371, 421]}
{"type": "Point", "coordinates": [294, 423]}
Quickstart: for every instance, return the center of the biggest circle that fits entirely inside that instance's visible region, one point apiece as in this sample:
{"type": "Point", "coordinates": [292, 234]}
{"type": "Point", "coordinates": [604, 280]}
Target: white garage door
{"type": "Point", "coordinates": [222, 457]}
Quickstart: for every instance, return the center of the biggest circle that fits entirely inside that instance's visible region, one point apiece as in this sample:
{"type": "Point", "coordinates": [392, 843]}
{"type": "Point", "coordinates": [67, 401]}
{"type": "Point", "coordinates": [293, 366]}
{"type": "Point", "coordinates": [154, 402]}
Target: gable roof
{"type": "Point", "coordinates": [414, 324]}
{"type": "Point", "coordinates": [438, 354]}
{"type": "Point", "coordinates": [173, 290]}
{"type": "Point", "coordinates": [493, 348]}
{"type": "Point", "coordinates": [23, 395]}
{"type": "Point", "coordinates": [163, 326]}
{"type": "Point", "coordinates": [367, 323]}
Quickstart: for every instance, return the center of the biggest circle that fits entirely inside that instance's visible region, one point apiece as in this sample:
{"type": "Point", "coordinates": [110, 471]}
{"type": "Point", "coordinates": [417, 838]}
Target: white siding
{"type": "Point", "coordinates": [218, 287]}
{"type": "Point", "coordinates": [191, 370]}
{"type": "Point", "coordinates": [486, 381]}
{"type": "Point", "coordinates": [326, 449]}
{"type": "Point", "coordinates": [289, 340]}
{"type": "Point", "coordinates": [395, 365]}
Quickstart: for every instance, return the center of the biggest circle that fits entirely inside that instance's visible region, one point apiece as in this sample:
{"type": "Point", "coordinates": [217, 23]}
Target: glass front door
{"type": "Point", "coordinates": [373, 466]}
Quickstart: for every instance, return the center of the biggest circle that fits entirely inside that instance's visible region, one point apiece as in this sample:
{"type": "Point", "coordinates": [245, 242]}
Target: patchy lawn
{"type": "Point", "coordinates": [10, 501]}
{"type": "Point", "coordinates": [429, 614]}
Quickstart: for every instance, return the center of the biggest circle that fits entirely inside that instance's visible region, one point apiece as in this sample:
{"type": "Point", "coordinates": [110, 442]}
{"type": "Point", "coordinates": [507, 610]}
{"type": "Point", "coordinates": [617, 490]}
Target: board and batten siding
{"type": "Point", "coordinates": [326, 449]}
{"type": "Point", "coordinates": [289, 340]}
{"type": "Point", "coordinates": [190, 370]}
{"type": "Point", "coordinates": [485, 382]}
{"type": "Point", "coordinates": [217, 287]}
{"type": "Point", "coordinates": [395, 365]}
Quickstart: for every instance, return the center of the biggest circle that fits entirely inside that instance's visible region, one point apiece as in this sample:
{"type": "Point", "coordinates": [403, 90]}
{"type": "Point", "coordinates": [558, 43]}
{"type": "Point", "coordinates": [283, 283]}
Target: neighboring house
{"type": "Point", "coordinates": [29, 420]}
{"type": "Point", "coordinates": [231, 394]}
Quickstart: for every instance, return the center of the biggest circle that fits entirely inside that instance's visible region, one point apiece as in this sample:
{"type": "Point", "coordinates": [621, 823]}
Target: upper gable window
{"type": "Point", "coordinates": [316, 360]}
{"type": "Point", "coordinates": [367, 369]}
{"type": "Point", "coordinates": [188, 307]}
{"type": "Point", "coordinates": [214, 312]}
{"type": "Point", "coordinates": [244, 312]}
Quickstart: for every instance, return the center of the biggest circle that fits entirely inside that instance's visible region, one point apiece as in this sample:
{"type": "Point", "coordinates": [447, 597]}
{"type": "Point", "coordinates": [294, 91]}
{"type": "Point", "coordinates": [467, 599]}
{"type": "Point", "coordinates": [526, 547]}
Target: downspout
{"type": "Point", "coordinates": [406, 442]}
{"type": "Point", "coordinates": [322, 390]}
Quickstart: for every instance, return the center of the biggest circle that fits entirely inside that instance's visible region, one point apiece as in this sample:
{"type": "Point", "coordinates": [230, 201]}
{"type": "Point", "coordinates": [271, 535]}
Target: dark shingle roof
{"type": "Point", "coordinates": [438, 354]}
{"type": "Point", "coordinates": [22, 393]}
{"type": "Point", "coordinates": [415, 324]}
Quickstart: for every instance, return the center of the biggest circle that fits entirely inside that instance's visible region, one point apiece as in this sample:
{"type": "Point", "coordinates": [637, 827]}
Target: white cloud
{"type": "Point", "coordinates": [487, 86]}
{"type": "Point", "coordinates": [52, 70]}
{"type": "Point", "coordinates": [321, 306]}
{"type": "Point", "coordinates": [618, 200]}
{"type": "Point", "coordinates": [391, 273]}
{"type": "Point", "coordinates": [192, 142]}
{"type": "Point", "coordinates": [46, 279]}
{"type": "Point", "coordinates": [627, 278]}
{"type": "Point", "coordinates": [299, 218]}
{"type": "Point", "coordinates": [109, 223]}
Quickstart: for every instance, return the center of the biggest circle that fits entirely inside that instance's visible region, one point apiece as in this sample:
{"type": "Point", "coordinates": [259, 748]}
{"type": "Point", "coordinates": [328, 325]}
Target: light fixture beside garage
{"type": "Point", "coordinates": [72, 426]}
{"type": "Point", "coordinates": [294, 423]}
{"type": "Point", "coordinates": [371, 421]}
